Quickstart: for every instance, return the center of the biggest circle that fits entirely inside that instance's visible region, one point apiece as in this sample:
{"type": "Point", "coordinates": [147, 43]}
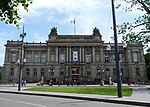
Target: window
{"type": "Point", "coordinates": [42, 72]}
{"type": "Point", "coordinates": [52, 73]}
{"type": "Point", "coordinates": [88, 58]}
{"type": "Point", "coordinates": [135, 56]}
{"type": "Point", "coordinates": [114, 72]}
{"type": "Point", "coordinates": [36, 56]}
{"type": "Point", "coordinates": [35, 72]}
{"type": "Point", "coordinates": [137, 71]}
{"type": "Point", "coordinates": [98, 71]}
{"type": "Point", "coordinates": [43, 56]}
{"type": "Point", "coordinates": [61, 58]}
{"type": "Point", "coordinates": [120, 57]}
{"type": "Point", "coordinates": [108, 72]}
{"type": "Point", "coordinates": [121, 71]}
{"type": "Point", "coordinates": [97, 54]}
{"type": "Point", "coordinates": [88, 72]}
{"type": "Point", "coordinates": [52, 54]}
{"type": "Point", "coordinates": [62, 72]}
{"type": "Point", "coordinates": [13, 56]}
{"type": "Point", "coordinates": [29, 56]}
{"type": "Point", "coordinates": [27, 72]}
{"type": "Point", "coordinates": [12, 71]}
{"type": "Point", "coordinates": [106, 58]}
{"type": "Point", "coordinates": [88, 55]}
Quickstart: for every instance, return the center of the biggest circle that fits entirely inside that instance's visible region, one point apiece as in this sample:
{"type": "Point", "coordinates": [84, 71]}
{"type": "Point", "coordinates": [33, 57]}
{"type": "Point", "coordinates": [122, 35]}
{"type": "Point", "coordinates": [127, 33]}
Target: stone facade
{"type": "Point", "coordinates": [74, 57]}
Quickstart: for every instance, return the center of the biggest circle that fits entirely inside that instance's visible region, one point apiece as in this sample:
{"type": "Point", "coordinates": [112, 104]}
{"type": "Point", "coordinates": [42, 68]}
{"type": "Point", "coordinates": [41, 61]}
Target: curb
{"type": "Point", "coordinates": [136, 103]}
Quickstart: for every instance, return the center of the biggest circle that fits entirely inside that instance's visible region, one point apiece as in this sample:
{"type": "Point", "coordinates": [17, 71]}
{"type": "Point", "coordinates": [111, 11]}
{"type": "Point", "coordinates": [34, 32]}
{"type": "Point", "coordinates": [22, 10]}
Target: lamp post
{"type": "Point", "coordinates": [119, 87]}
{"type": "Point", "coordinates": [20, 61]}
{"type": "Point", "coordinates": [49, 71]}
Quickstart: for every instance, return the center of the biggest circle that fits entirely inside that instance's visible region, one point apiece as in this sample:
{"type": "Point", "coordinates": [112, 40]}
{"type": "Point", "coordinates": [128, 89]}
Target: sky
{"type": "Point", "coordinates": [45, 14]}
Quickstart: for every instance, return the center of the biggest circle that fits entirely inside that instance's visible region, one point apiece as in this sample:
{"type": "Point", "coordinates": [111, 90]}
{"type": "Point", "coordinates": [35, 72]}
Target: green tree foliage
{"type": "Point", "coordinates": [147, 61]}
{"type": "Point", "coordinates": [9, 10]}
{"type": "Point", "coordinates": [1, 71]}
{"type": "Point", "coordinates": [139, 29]}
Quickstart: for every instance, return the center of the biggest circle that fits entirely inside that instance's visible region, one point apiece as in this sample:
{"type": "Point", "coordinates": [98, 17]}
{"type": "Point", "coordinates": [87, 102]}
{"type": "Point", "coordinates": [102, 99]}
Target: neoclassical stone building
{"type": "Point", "coordinates": [74, 57]}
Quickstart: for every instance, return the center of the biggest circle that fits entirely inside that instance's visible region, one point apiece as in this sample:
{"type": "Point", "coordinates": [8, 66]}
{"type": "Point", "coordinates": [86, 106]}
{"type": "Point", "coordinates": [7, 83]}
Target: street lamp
{"type": "Point", "coordinates": [119, 87]}
{"type": "Point", "coordinates": [21, 58]}
{"type": "Point", "coordinates": [49, 71]}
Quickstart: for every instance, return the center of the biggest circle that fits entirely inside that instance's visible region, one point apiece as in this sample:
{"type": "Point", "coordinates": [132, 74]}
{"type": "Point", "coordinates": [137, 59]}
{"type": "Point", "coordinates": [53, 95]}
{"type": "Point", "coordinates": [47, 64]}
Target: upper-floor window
{"type": "Point", "coordinates": [43, 56]}
{"type": "Point", "coordinates": [97, 54]}
{"type": "Point", "coordinates": [36, 56]}
{"type": "Point", "coordinates": [135, 56]}
{"type": "Point", "coordinates": [52, 54]}
{"type": "Point", "coordinates": [88, 55]}
{"type": "Point", "coordinates": [13, 56]}
{"type": "Point", "coordinates": [88, 58]}
{"type": "Point", "coordinates": [106, 58]}
{"type": "Point", "coordinates": [61, 58]}
{"type": "Point", "coordinates": [29, 56]}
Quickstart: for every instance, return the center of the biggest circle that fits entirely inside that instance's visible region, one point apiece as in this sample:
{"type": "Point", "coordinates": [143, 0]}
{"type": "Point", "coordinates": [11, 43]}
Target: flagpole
{"type": "Point", "coordinates": [74, 27]}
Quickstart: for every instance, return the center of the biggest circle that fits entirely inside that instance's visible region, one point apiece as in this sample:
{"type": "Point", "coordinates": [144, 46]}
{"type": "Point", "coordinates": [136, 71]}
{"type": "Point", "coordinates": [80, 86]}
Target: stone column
{"type": "Point", "coordinates": [67, 54]}
{"type": "Point", "coordinates": [39, 55]}
{"type": "Point", "coordinates": [32, 56]}
{"type": "Point", "coordinates": [142, 56]}
{"type": "Point", "coordinates": [57, 54]}
{"type": "Point", "coordinates": [48, 54]}
{"type": "Point", "coordinates": [101, 55]}
{"type": "Point", "coordinates": [83, 53]}
{"type": "Point", "coordinates": [93, 54]}
{"type": "Point", "coordinates": [80, 54]}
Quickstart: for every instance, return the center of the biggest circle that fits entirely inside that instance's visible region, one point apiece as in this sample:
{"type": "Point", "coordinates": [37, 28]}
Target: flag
{"type": "Point", "coordinates": [75, 56]}
{"type": "Point", "coordinates": [73, 21]}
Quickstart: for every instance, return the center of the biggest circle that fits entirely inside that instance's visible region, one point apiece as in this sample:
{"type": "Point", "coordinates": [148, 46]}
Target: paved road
{"type": "Point", "coordinates": [15, 100]}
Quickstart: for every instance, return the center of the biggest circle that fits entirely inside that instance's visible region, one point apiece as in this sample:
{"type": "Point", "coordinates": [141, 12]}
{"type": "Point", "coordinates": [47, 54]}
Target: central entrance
{"type": "Point", "coordinates": [75, 73]}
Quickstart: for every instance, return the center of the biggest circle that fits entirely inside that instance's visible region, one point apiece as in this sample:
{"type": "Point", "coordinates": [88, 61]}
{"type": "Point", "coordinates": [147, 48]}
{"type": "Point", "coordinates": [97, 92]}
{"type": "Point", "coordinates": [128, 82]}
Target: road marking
{"type": "Point", "coordinates": [22, 102]}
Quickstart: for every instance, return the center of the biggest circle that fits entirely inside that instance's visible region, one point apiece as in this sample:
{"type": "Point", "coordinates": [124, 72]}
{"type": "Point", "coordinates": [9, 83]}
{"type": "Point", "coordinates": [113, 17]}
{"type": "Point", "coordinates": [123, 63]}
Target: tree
{"type": "Point", "coordinates": [9, 10]}
{"type": "Point", "coordinates": [147, 61]}
{"type": "Point", "coordinates": [1, 71]}
{"type": "Point", "coordinates": [139, 29]}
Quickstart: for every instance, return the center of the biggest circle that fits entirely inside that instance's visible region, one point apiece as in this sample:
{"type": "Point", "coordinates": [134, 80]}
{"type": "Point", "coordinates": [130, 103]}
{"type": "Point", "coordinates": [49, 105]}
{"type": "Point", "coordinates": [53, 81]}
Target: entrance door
{"type": "Point", "coordinates": [75, 73]}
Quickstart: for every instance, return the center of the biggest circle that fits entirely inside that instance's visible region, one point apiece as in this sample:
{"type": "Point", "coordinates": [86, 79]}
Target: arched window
{"type": "Point", "coordinates": [27, 72]}
{"type": "Point", "coordinates": [42, 71]}
{"type": "Point", "coordinates": [12, 71]}
{"type": "Point", "coordinates": [34, 72]}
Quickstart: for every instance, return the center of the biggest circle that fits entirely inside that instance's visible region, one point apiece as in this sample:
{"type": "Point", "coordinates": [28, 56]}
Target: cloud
{"type": "Point", "coordinates": [63, 11]}
{"type": "Point", "coordinates": [88, 14]}
{"type": "Point", "coordinates": [39, 38]}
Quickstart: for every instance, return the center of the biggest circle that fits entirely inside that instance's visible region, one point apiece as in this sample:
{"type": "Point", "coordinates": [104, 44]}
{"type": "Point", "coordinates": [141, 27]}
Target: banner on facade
{"type": "Point", "coordinates": [75, 56]}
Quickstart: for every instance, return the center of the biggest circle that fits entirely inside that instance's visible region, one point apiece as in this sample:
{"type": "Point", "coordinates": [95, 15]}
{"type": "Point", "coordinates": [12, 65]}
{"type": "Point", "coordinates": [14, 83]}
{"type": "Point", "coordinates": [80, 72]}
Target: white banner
{"type": "Point", "coordinates": [75, 56]}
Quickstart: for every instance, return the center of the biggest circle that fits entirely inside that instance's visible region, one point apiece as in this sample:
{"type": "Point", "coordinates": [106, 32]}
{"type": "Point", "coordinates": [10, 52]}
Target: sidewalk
{"type": "Point", "coordinates": [140, 96]}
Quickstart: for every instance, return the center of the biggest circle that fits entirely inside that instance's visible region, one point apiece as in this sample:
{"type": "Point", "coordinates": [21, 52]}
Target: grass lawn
{"type": "Point", "coordinates": [126, 91]}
